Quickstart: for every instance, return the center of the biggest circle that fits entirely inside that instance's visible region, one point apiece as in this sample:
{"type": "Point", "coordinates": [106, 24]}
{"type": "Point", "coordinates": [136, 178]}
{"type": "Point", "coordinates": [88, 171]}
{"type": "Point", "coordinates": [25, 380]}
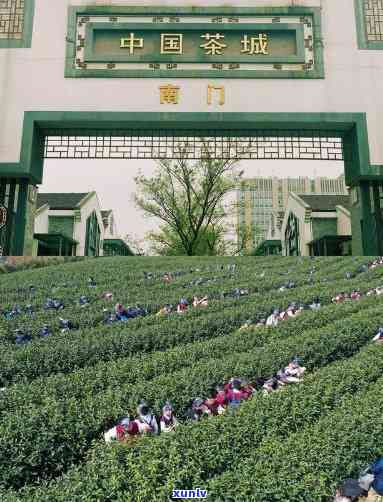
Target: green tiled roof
{"type": "Point", "coordinates": [60, 200]}
{"type": "Point", "coordinates": [325, 202]}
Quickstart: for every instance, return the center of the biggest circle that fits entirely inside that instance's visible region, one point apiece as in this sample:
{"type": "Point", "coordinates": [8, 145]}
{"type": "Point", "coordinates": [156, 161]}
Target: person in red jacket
{"type": "Point", "coordinates": [126, 428]}
{"type": "Point", "coordinates": [355, 294]}
{"type": "Point", "coordinates": [121, 431]}
{"type": "Point", "coordinates": [247, 390]}
{"type": "Point", "coordinates": [221, 397]}
{"type": "Point", "coordinates": [212, 405]}
{"type": "Point", "coordinates": [235, 394]}
{"type": "Point", "coordinates": [228, 386]}
{"type": "Point", "coordinates": [198, 410]}
{"type": "Point", "coordinates": [182, 306]}
{"type": "Point", "coordinates": [133, 429]}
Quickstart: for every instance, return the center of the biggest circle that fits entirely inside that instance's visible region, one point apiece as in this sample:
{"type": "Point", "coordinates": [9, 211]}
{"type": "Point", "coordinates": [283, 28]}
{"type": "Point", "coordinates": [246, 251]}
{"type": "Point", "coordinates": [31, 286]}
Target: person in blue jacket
{"type": "Point", "coordinates": [67, 325]}
{"type": "Point", "coordinates": [91, 282]}
{"type": "Point", "coordinates": [12, 313]}
{"type": "Point", "coordinates": [22, 337]}
{"type": "Point", "coordinates": [45, 331]}
{"type": "Point", "coordinates": [84, 301]}
{"type": "Point", "coordinates": [53, 304]}
{"type": "Point", "coordinates": [376, 487]}
{"type": "Point", "coordinates": [29, 309]}
{"type": "Point", "coordinates": [120, 312]}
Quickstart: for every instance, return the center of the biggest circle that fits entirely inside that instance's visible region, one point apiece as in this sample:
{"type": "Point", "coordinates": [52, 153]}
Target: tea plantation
{"type": "Point", "coordinates": [60, 393]}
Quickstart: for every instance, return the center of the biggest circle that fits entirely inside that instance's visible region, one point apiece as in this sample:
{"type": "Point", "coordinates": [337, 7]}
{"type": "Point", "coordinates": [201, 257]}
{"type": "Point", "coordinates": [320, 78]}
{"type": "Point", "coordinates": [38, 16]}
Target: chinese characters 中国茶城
{"type": "Point", "coordinates": [214, 45]}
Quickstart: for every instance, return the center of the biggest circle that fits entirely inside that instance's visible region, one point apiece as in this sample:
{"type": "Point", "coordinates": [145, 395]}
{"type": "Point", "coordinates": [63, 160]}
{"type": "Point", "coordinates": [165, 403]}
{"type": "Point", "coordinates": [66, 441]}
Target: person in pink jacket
{"type": "Point", "coordinates": [235, 395]}
{"type": "Point", "coordinates": [221, 396]}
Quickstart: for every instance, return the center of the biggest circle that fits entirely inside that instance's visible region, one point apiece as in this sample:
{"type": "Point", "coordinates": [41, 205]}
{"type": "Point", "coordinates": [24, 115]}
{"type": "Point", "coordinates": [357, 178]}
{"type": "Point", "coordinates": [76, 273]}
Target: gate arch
{"type": "Point", "coordinates": [40, 127]}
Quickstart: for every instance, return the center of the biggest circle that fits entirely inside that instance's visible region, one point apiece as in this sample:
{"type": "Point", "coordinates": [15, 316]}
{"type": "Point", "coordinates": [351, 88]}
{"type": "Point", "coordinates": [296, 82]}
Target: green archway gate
{"type": "Point", "coordinates": [124, 135]}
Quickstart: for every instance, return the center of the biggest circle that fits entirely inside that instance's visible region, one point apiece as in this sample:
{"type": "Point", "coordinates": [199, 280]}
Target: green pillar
{"type": "Point", "coordinates": [378, 214]}
{"type": "Point", "coordinates": [368, 228]}
{"type": "Point", "coordinates": [21, 220]}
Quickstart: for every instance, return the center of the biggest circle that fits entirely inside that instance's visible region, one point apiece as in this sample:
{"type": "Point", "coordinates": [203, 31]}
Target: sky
{"type": "Point", "coordinates": [113, 180]}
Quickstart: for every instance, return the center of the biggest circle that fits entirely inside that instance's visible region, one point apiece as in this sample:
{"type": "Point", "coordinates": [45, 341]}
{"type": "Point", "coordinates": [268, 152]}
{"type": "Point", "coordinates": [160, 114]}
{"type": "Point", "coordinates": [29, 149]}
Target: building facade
{"type": "Point", "coordinates": [317, 225]}
{"type": "Point", "coordinates": [72, 85]}
{"type": "Point", "coordinates": [113, 245]}
{"type": "Point", "coordinates": [68, 224]}
{"type": "Point", "coordinates": [262, 201]}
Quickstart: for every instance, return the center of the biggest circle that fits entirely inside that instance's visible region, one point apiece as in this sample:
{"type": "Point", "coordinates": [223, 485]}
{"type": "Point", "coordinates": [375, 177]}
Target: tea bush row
{"type": "Point", "coordinates": [264, 428]}
{"type": "Point", "coordinates": [42, 441]}
{"type": "Point", "coordinates": [85, 348]}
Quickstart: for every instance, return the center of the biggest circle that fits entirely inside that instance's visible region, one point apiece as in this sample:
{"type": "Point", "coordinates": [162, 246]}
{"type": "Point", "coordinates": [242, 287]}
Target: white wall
{"type": "Point", "coordinates": [33, 79]}
{"type": "Point", "coordinates": [110, 232]}
{"type": "Point", "coordinates": [79, 232]}
{"type": "Point", "coordinates": [343, 221]}
{"type": "Point", "coordinates": [41, 221]}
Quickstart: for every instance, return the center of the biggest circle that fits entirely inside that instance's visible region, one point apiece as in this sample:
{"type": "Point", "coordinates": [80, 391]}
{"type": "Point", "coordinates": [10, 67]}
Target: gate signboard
{"type": "Point", "coordinates": [194, 42]}
{"type": "Point", "coordinates": [3, 216]}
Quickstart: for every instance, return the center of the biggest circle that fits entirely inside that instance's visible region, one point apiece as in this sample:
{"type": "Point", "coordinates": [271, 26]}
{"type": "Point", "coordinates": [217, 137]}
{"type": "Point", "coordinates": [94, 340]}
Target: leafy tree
{"type": "Point", "coordinates": [136, 245]}
{"type": "Point", "coordinates": [167, 242]}
{"type": "Point", "coordinates": [188, 197]}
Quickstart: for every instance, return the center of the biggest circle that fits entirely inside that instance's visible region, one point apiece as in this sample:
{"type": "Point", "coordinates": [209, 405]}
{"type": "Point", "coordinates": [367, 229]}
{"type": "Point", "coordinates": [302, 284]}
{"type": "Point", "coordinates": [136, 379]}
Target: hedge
{"type": "Point", "coordinates": [56, 434]}
{"type": "Point", "coordinates": [198, 452]}
{"type": "Point", "coordinates": [145, 366]}
{"type": "Point", "coordinates": [86, 380]}
{"type": "Point", "coordinates": [92, 315]}
{"type": "Point", "coordinates": [311, 463]}
{"type": "Point", "coordinates": [81, 349]}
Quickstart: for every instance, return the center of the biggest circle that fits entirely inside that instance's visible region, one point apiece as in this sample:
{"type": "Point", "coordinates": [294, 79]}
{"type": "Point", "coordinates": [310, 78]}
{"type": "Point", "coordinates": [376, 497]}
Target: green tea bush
{"type": "Point", "coordinates": [311, 463]}
{"type": "Point", "coordinates": [63, 392]}
{"type": "Point", "coordinates": [73, 423]}
{"type": "Point", "coordinates": [145, 366]}
{"type": "Point", "coordinates": [198, 453]}
{"type": "Point", "coordinates": [87, 347]}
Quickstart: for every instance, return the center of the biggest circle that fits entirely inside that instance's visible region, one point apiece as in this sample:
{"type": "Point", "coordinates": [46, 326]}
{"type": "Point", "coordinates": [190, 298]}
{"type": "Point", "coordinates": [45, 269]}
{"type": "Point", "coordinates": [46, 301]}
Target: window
{"type": "Point", "coordinates": [16, 22]}
{"type": "Point", "coordinates": [369, 23]}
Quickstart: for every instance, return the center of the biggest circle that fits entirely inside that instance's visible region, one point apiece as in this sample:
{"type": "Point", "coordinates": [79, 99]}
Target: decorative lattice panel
{"type": "Point", "coordinates": [373, 13]}
{"type": "Point", "coordinates": [315, 145]}
{"type": "Point", "coordinates": [11, 19]}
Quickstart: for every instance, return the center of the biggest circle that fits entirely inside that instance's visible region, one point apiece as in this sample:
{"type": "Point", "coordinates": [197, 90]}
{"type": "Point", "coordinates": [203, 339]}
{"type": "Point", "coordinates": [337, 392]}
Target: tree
{"type": "Point", "coordinates": [188, 198]}
{"type": "Point", "coordinates": [166, 242]}
{"type": "Point", "coordinates": [135, 244]}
